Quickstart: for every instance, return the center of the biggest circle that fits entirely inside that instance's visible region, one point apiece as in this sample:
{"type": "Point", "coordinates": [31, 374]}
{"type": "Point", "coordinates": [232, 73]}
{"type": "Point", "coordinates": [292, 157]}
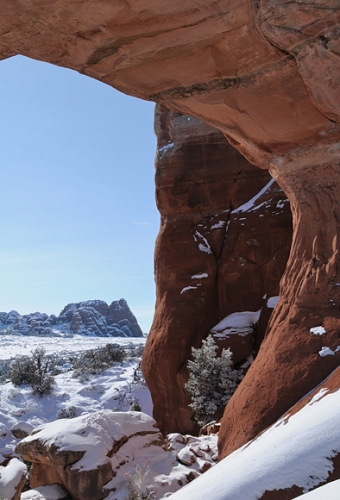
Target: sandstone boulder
{"type": "Point", "coordinates": [93, 455]}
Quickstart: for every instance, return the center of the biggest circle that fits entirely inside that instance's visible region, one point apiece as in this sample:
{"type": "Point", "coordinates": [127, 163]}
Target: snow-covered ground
{"type": "Point", "coordinates": [116, 388]}
{"type": "Point", "coordinates": [297, 450]}
{"type": "Point", "coordinates": [18, 345]}
{"type": "Point", "coordinates": [112, 389]}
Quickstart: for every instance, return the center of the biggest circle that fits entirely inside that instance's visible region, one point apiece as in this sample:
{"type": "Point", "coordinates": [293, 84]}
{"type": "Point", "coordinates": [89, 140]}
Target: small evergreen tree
{"type": "Point", "coordinates": [212, 381]}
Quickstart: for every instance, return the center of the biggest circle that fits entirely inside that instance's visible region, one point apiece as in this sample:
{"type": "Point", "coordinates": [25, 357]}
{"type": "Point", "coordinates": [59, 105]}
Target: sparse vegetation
{"type": "Point", "coordinates": [67, 412]}
{"type": "Point", "coordinates": [34, 370]}
{"type": "Point", "coordinates": [134, 483]}
{"type": "Point", "coordinates": [95, 361]}
{"type": "Point", "coordinates": [212, 381]}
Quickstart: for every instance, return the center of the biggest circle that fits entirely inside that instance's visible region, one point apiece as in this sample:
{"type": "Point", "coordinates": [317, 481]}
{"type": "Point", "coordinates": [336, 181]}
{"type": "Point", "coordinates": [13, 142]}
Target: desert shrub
{"type": "Point", "coordinates": [212, 381]}
{"type": "Point", "coordinates": [125, 399]}
{"type": "Point", "coordinates": [20, 370]}
{"type": "Point", "coordinates": [95, 361]}
{"type": "Point", "coordinates": [67, 412]}
{"type": "Point", "coordinates": [34, 370]}
{"type": "Point", "coordinates": [135, 406]}
{"type": "Point", "coordinates": [134, 484]}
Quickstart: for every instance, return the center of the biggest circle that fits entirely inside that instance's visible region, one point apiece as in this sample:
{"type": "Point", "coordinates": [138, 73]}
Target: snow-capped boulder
{"type": "Point", "coordinates": [21, 430]}
{"type": "Point", "coordinates": [12, 479]}
{"type": "Point", "coordinates": [92, 455]}
{"type": "Point", "coordinates": [84, 454]}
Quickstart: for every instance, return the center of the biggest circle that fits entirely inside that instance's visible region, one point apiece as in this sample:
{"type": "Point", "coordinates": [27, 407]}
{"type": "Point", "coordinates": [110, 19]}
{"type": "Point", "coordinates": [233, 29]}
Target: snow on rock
{"type": "Point", "coordinates": [187, 288]}
{"type": "Point", "coordinates": [297, 450]}
{"type": "Point", "coordinates": [199, 276]}
{"type": "Point", "coordinates": [12, 479]}
{"type": "Point", "coordinates": [203, 244]}
{"type": "Point", "coordinates": [92, 454]}
{"type": "Point", "coordinates": [51, 492]}
{"type": "Point", "coordinates": [239, 323]}
{"type": "Point", "coordinates": [272, 302]}
{"type": "Point", "coordinates": [317, 330]}
{"type": "Point", "coordinates": [251, 204]}
{"type": "Point", "coordinates": [236, 332]}
{"type": "Point", "coordinates": [328, 491]}
{"type": "Point", "coordinates": [327, 351]}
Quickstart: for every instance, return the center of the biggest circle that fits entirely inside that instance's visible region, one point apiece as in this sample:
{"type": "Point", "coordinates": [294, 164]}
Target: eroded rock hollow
{"type": "Point", "coordinates": [266, 74]}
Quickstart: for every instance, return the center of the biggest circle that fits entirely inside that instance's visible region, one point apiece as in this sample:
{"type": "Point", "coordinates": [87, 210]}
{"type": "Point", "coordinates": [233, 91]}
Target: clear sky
{"type": "Point", "coordinates": [78, 218]}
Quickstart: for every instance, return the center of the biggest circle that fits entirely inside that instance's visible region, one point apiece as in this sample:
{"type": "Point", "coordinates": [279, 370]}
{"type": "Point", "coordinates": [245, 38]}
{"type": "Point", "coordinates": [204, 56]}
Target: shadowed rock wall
{"type": "Point", "coordinates": [212, 258]}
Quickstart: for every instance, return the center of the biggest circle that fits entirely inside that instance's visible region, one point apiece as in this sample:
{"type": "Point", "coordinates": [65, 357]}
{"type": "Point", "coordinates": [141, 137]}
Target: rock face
{"type": "Point", "coordinates": [223, 245]}
{"type": "Point", "coordinates": [91, 317]}
{"type": "Point", "coordinates": [266, 74]}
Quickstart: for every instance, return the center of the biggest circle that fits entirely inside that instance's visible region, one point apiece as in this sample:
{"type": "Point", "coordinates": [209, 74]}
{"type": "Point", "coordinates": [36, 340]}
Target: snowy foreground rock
{"type": "Point", "coordinates": [99, 455]}
{"type": "Point", "coordinates": [297, 454]}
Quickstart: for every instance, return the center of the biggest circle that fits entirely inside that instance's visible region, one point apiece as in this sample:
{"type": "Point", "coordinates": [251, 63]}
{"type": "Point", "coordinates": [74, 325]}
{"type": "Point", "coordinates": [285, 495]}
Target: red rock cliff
{"type": "Point", "coordinates": [211, 258]}
{"type": "Point", "coordinates": [265, 73]}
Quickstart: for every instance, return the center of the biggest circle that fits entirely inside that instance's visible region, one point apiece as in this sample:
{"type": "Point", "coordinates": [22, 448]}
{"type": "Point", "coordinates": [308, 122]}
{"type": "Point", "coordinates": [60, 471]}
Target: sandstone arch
{"type": "Point", "coordinates": [265, 73]}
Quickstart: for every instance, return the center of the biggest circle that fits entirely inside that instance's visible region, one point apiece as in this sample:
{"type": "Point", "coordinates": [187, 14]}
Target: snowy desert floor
{"type": "Point", "coordinates": [111, 389]}
{"type": "Point", "coordinates": [118, 388]}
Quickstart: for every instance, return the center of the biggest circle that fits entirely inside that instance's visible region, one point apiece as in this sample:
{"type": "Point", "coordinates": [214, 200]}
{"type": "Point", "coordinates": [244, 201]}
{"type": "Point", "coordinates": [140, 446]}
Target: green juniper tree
{"type": "Point", "coordinates": [212, 381]}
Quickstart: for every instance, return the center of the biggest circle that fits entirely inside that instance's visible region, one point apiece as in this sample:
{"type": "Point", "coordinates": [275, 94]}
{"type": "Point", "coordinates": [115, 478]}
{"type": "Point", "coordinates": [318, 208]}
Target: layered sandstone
{"type": "Point", "coordinates": [266, 74]}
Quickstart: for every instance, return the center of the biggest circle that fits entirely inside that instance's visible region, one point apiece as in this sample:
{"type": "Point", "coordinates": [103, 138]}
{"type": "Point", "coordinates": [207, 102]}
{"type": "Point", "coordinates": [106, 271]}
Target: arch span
{"type": "Point", "coordinates": [266, 74]}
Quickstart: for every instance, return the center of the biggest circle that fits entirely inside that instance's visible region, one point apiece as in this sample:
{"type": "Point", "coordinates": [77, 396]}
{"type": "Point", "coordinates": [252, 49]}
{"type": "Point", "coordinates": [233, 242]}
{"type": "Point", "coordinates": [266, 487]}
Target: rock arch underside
{"type": "Point", "coordinates": [266, 74]}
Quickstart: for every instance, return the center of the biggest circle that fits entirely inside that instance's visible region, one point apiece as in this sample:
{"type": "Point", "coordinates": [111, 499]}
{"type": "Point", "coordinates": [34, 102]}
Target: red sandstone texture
{"type": "Point", "coordinates": [265, 73]}
{"type": "Point", "coordinates": [211, 258]}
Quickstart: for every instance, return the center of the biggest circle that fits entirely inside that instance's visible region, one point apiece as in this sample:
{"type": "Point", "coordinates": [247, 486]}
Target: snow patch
{"type": "Point", "coordinates": [297, 453]}
{"type": "Point", "coordinates": [317, 330]}
{"type": "Point", "coordinates": [218, 225]}
{"type": "Point", "coordinates": [199, 276]}
{"type": "Point", "coordinates": [272, 302]}
{"type": "Point", "coordinates": [52, 492]}
{"type": "Point", "coordinates": [327, 351]}
{"type": "Point", "coordinates": [203, 242]}
{"type": "Point", "coordinates": [328, 491]}
{"type": "Point", "coordinates": [247, 206]}
{"type": "Point", "coordinates": [166, 148]}
{"type": "Point", "coordinates": [239, 323]}
{"type": "Point", "coordinates": [186, 288]}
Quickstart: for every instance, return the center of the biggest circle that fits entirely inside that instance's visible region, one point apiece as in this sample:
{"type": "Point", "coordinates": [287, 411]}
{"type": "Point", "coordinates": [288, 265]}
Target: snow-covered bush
{"type": "Point", "coordinates": [95, 361]}
{"type": "Point", "coordinates": [34, 370]}
{"type": "Point", "coordinates": [212, 381]}
{"type": "Point", "coordinates": [134, 483]}
{"type": "Point", "coordinates": [67, 412]}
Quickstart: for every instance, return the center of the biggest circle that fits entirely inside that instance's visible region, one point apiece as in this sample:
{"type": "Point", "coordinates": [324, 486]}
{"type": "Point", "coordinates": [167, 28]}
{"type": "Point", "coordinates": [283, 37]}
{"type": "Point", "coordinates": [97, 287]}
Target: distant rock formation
{"type": "Point", "coordinates": [91, 318]}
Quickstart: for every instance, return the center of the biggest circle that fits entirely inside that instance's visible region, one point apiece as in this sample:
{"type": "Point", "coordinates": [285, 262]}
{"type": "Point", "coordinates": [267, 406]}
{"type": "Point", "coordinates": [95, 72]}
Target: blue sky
{"type": "Point", "coordinates": [78, 218]}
